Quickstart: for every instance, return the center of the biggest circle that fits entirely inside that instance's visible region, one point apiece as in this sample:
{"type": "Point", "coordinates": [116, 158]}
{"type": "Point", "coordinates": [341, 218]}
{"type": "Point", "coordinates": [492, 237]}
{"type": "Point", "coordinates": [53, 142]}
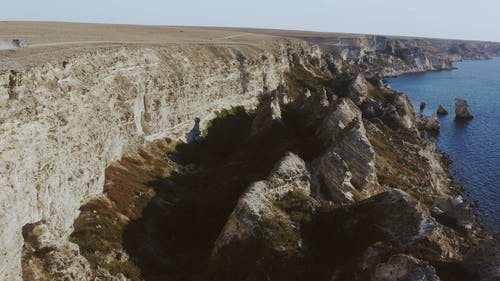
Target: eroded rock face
{"type": "Point", "coordinates": [333, 172]}
{"type": "Point", "coordinates": [61, 125]}
{"type": "Point", "coordinates": [358, 90]}
{"type": "Point", "coordinates": [404, 268]}
{"type": "Point", "coordinates": [343, 130]}
{"type": "Point", "coordinates": [340, 115]}
{"type": "Point", "coordinates": [357, 151]}
{"type": "Point", "coordinates": [462, 110]}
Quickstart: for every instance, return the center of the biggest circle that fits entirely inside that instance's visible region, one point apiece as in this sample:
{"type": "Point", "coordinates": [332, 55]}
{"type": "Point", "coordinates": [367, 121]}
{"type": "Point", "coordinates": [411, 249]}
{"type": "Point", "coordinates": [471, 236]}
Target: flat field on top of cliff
{"type": "Point", "coordinates": [50, 40]}
{"type": "Point", "coordinates": [57, 40]}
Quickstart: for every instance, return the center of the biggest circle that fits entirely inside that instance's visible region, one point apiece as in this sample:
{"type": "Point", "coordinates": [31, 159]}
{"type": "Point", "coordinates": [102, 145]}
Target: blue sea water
{"type": "Point", "coordinates": [473, 146]}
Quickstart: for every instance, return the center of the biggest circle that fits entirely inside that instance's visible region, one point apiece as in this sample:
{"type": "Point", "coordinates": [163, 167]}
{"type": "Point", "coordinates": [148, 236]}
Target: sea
{"type": "Point", "coordinates": [474, 146]}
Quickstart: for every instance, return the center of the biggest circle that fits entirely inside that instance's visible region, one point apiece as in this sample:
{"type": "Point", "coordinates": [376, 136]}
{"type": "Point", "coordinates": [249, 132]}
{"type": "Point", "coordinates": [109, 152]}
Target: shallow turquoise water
{"type": "Point", "coordinates": [474, 146]}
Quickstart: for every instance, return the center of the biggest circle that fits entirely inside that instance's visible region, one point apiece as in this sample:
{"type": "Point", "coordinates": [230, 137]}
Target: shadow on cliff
{"type": "Point", "coordinates": [174, 237]}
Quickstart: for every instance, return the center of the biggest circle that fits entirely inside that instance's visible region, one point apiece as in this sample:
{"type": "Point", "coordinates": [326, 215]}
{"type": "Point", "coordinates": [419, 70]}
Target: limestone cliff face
{"type": "Point", "coordinates": [62, 124]}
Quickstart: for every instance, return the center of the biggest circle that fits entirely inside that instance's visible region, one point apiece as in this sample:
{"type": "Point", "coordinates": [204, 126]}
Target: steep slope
{"type": "Point", "coordinates": [63, 123]}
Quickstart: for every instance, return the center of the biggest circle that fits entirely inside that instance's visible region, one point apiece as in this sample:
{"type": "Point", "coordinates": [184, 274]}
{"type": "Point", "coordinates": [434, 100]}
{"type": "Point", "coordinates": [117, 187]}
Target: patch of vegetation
{"type": "Point", "coordinates": [298, 80]}
{"type": "Point", "coordinates": [28, 254]}
{"type": "Point", "coordinates": [271, 253]}
{"type": "Point", "coordinates": [398, 165]}
{"type": "Point", "coordinates": [297, 205]}
{"type": "Point", "coordinates": [99, 230]}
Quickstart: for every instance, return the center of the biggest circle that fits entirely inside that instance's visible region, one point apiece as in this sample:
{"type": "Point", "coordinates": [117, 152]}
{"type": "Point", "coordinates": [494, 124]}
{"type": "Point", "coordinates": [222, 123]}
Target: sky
{"type": "Point", "coordinates": [458, 19]}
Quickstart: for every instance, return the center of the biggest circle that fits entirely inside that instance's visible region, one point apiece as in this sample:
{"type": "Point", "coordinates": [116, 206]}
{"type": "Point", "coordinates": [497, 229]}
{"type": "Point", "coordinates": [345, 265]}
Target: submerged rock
{"type": "Point", "coordinates": [462, 110]}
{"type": "Point", "coordinates": [442, 110]}
{"type": "Point", "coordinates": [404, 268]}
{"type": "Point", "coordinates": [433, 124]}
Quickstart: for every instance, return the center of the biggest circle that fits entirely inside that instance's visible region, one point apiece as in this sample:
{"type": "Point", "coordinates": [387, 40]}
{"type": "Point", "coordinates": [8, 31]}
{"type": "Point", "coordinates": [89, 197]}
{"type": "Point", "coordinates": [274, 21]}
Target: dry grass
{"type": "Point", "coordinates": [58, 41]}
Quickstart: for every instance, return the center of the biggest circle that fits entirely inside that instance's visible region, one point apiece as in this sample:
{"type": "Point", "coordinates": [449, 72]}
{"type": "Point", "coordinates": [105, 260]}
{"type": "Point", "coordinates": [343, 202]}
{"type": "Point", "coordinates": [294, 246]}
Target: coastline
{"type": "Point", "coordinates": [455, 174]}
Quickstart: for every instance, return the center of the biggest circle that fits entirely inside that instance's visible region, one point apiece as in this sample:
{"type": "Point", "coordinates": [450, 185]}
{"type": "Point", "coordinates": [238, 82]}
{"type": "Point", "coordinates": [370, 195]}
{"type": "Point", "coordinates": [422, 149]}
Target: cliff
{"type": "Point", "coordinates": [62, 124]}
{"type": "Point", "coordinates": [298, 162]}
{"type": "Point", "coordinates": [392, 55]}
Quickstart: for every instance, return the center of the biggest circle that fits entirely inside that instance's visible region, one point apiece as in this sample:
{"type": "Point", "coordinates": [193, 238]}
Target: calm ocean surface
{"type": "Point", "coordinates": [474, 146]}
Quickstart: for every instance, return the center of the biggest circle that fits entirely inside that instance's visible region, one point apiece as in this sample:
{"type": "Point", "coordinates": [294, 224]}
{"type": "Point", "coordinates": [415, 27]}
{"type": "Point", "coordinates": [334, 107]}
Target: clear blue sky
{"type": "Point", "coordinates": [478, 19]}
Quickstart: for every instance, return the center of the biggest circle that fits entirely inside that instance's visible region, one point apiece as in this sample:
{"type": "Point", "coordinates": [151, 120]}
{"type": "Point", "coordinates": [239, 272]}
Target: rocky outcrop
{"type": "Point", "coordinates": [442, 110]}
{"type": "Point", "coordinates": [358, 90]}
{"type": "Point", "coordinates": [268, 116]}
{"type": "Point", "coordinates": [333, 173]}
{"type": "Point", "coordinates": [462, 110]}
{"type": "Point", "coordinates": [341, 114]}
{"type": "Point", "coordinates": [432, 125]}
{"type": "Point", "coordinates": [396, 216]}
{"type": "Point", "coordinates": [400, 112]}
{"type": "Point", "coordinates": [404, 268]}
{"type": "Point", "coordinates": [343, 130]}
{"type": "Point", "coordinates": [62, 124]}
{"type": "Point", "coordinates": [257, 210]}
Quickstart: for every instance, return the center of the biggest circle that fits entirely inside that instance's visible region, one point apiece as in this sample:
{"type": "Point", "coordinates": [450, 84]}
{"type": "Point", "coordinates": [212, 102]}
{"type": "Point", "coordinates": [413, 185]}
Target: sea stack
{"type": "Point", "coordinates": [462, 111]}
{"type": "Point", "coordinates": [442, 110]}
{"type": "Point", "coordinates": [433, 124]}
{"type": "Point", "coordinates": [422, 106]}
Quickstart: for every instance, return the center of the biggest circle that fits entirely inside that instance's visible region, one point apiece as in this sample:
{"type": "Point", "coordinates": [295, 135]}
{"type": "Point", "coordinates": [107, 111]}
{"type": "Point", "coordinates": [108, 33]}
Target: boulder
{"type": "Point", "coordinates": [454, 212]}
{"type": "Point", "coordinates": [462, 110]}
{"type": "Point", "coordinates": [404, 268]}
{"type": "Point", "coordinates": [442, 110]}
{"type": "Point", "coordinates": [433, 124]}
